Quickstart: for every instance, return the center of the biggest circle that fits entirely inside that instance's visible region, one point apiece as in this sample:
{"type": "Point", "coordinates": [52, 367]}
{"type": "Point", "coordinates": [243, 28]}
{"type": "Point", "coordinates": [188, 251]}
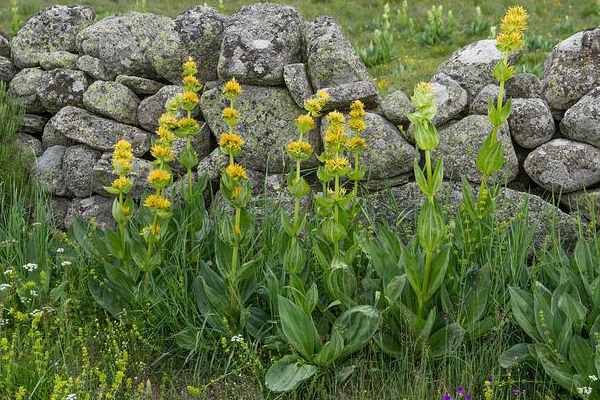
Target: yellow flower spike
{"type": "Point", "coordinates": [230, 143]}
{"type": "Point", "coordinates": [157, 202]}
{"type": "Point", "coordinates": [230, 116]}
{"type": "Point", "coordinates": [122, 184]}
{"type": "Point", "coordinates": [168, 120]}
{"type": "Point", "coordinates": [232, 89]}
{"type": "Point", "coordinates": [159, 178]}
{"type": "Point", "coordinates": [190, 98]}
{"type": "Point", "coordinates": [313, 106]}
{"type": "Point", "coordinates": [299, 150]}
{"type": "Point", "coordinates": [514, 20]}
{"type": "Point", "coordinates": [305, 123]}
{"type": "Point", "coordinates": [336, 117]}
{"type": "Point", "coordinates": [190, 67]}
{"type": "Point", "coordinates": [190, 81]}
{"type": "Point", "coordinates": [335, 138]}
{"type": "Point", "coordinates": [356, 125]}
{"type": "Point", "coordinates": [236, 171]}
{"type": "Point", "coordinates": [165, 134]}
{"type": "Point", "coordinates": [356, 144]}
{"type": "Point", "coordinates": [187, 123]}
{"type": "Point", "coordinates": [161, 152]}
{"type": "Point", "coordinates": [337, 165]}
{"type": "Point", "coordinates": [121, 166]}
{"type": "Point", "coordinates": [123, 150]}
{"type": "Point", "coordinates": [357, 109]}
{"type": "Point", "coordinates": [509, 42]}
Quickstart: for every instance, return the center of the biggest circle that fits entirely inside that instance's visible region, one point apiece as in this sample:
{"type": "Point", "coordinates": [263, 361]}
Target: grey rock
{"type": "Point", "coordinates": [112, 100]}
{"type": "Point", "coordinates": [213, 164]}
{"type": "Point", "coordinates": [103, 175]}
{"type": "Point", "coordinates": [331, 58]}
{"type": "Point", "coordinates": [143, 86]}
{"type": "Point", "coordinates": [587, 202]}
{"type": "Point", "coordinates": [30, 144]}
{"type": "Point", "coordinates": [49, 30]}
{"type": "Point", "coordinates": [542, 217]}
{"type": "Point", "coordinates": [121, 42]}
{"type": "Point", "coordinates": [266, 123]}
{"type": "Point", "coordinates": [196, 33]}
{"type": "Point", "coordinates": [451, 98]}
{"type": "Point", "coordinates": [61, 87]}
{"type": "Point", "coordinates": [152, 107]}
{"type": "Point", "coordinates": [297, 81]}
{"type": "Point", "coordinates": [53, 137]}
{"type": "Point", "coordinates": [341, 96]}
{"type": "Point", "coordinates": [571, 69]}
{"type": "Point", "coordinates": [58, 208]}
{"type": "Point", "coordinates": [58, 59]}
{"type": "Point", "coordinates": [95, 68]}
{"type": "Point", "coordinates": [396, 106]}
{"type": "Point", "coordinates": [22, 89]}
{"type": "Point", "coordinates": [259, 41]}
{"type": "Point", "coordinates": [564, 166]}
{"type": "Point", "coordinates": [387, 154]}
{"type": "Point", "coordinates": [4, 46]}
{"type": "Point", "coordinates": [524, 86]}
{"type": "Point", "coordinates": [98, 133]}
{"type": "Point", "coordinates": [460, 143]}
{"type": "Point", "coordinates": [480, 104]}
{"type": "Point", "coordinates": [7, 70]}
{"type": "Point", "coordinates": [49, 172]}
{"type": "Point", "coordinates": [582, 121]}
{"type": "Point", "coordinates": [33, 123]}
{"type": "Point", "coordinates": [531, 122]}
{"type": "Point", "coordinates": [95, 209]}
{"type": "Point", "coordinates": [78, 163]}
{"type": "Point", "coordinates": [472, 66]}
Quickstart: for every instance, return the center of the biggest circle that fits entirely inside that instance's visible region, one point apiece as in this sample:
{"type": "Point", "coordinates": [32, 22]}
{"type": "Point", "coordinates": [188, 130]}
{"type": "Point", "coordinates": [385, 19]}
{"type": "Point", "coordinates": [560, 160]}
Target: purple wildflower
{"type": "Point", "coordinates": [460, 390]}
{"type": "Point", "coordinates": [447, 397]}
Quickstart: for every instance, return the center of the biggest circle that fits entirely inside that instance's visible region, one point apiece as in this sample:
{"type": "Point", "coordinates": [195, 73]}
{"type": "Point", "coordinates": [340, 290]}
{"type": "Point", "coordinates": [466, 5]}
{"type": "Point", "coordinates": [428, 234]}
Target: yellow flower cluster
{"type": "Point", "coordinates": [190, 68]}
{"type": "Point", "coordinates": [512, 26]}
{"type": "Point", "coordinates": [232, 89]}
{"type": "Point", "coordinates": [162, 152]}
{"type": "Point", "coordinates": [122, 184]}
{"type": "Point", "coordinates": [357, 114]}
{"type": "Point", "coordinates": [299, 150]}
{"type": "Point", "coordinates": [335, 137]}
{"type": "Point", "coordinates": [156, 202]}
{"type": "Point", "coordinates": [337, 165]}
{"type": "Point", "coordinates": [230, 143]}
{"type": "Point", "coordinates": [168, 121]}
{"type": "Point", "coordinates": [236, 171]}
{"type": "Point", "coordinates": [315, 105]}
{"type": "Point", "coordinates": [159, 178]}
{"type": "Point", "coordinates": [305, 123]}
{"type": "Point", "coordinates": [121, 160]}
{"type": "Point", "coordinates": [187, 123]}
{"type": "Point", "coordinates": [165, 134]}
{"type": "Point", "coordinates": [356, 144]}
{"type": "Point", "coordinates": [190, 98]}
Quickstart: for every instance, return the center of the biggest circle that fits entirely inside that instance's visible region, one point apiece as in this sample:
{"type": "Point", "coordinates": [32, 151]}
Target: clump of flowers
{"type": "Point", "coordinates": [235, 188]}
{"type": "Point", "coordinates": [187, 127]}
{"type": "Point", "coordinates": [122, 209]}
{"type": "Point", "coordinates": [356, 144]}
{"type": "Point", "coordinates": [491, 155]}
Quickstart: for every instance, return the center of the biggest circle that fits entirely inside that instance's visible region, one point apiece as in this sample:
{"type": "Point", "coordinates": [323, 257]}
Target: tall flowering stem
{"type": "Point", "coordinates": [491, 154]}
{"type": "Point", "coordinates": [159, 179]}
{"type": "Point", "coordinates": [430, 223]}
{"type": "Point", "coordinates": [187, 127]}
{"type": "Point", "coordinates": [234, 186]}
{"type": "Point", "coordinates": [356, 145]}
{"type": "Point", "coordinates": [122, 209]}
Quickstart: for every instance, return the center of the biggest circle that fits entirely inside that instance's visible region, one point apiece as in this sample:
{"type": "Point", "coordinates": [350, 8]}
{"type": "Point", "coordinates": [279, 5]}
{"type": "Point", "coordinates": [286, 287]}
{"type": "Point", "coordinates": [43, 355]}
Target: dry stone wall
{"type": "Point", "coordinates": [87, 83]}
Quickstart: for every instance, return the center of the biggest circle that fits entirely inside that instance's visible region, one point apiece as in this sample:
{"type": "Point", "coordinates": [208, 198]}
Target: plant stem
{"type": "Point", "coordinates": [234, 257]}
{"type": "Point", "coordinates": [336, 245]}
{"type": "Point", "coordinates": [425, 286]}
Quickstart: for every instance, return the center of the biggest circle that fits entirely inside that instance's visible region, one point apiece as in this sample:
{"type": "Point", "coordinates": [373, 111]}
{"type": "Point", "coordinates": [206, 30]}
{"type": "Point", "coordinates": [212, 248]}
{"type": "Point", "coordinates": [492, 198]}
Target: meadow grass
{"type": "Point", "coordinates": [412, 60]}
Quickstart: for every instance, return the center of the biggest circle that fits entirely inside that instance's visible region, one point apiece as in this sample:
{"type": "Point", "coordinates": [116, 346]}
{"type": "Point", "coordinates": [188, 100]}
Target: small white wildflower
{"type": "Point", "coordinates": [593, 378]}
{"type": "Point", "coordinates": [8, 242]}
{"type": "Point", "coordinates": [71, 396]}
{"type": "Point", "coordinates": [237, 338]}
{"type": "Point", "coordinates": [33, 293]}
{"type": "Point", "coordinates": [30, 267]}
{"type": "Point", "coordinates": [4, 322]}
{"type": "Point", "coordinates": [8, 272]}
{"type": "Point", "coordinates": [36, 312]}
{"type": "Point", "coordinates": [60, 250]}
{"type": "Point", "coordinates": [65, 263]}
{"type": "Point", "coordinates": [586, 390]}
{"type": "Point", "coordinates": [4, 286]}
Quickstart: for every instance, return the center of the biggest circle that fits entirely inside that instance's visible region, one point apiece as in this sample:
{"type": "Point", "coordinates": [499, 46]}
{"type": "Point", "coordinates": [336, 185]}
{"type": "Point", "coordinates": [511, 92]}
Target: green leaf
{"type": "Point", "coordinates": [106, 298]}
{"type": "Point", "coordinates": [330, 350]}
{"type": "Point", "coordinates": [431, 226]}
{"type": "Point", "coordinates": [420, 179]}
{"type": "Point", "coordinates": [438, 177]}
{"type": "Point", "coordinates": [439, 265]}
{"type": "Point", "coordinates": [522, 307]}
{"type": "Point", "coordinates": [491, 156]}
{"type": "Point", "coordinates": [298, 328]}
{"type": "Point", "coordinates": [445, 340]}
{"type": "Point", "coordinates": [288, 373]}
{"type": "Point", "coordinates": [515, 355]}
{"type": "Point", "coordinates": [580, 353]}
{"type": "Point", "coordinates": [357, 326]}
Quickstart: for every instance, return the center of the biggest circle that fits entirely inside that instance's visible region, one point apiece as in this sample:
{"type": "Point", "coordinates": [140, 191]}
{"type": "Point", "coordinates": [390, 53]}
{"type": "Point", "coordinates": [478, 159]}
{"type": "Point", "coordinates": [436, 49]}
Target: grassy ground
{"type": "Point", "coordinates": [412, 60]}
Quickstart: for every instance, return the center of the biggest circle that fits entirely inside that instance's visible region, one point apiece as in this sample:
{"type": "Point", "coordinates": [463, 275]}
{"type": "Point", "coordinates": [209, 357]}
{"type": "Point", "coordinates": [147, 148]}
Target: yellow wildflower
{"type": "Point", "coordinates": [122, 183]}
{"type": "Point", "coordinates": [356, 124]}
{"type": "Point", "coordinates": [509, 41]}
{"type": "Point", "coordinates": [161, 152]}
{"type": "Point", "coordinates": [336, 117]}
{"type": "Point", "coordinates": [335, 137]}
{"type": "Point", "coordinates": [165, 134]}
{"type": "Point", "coordinates": [230, 143]}
{"type": "Point", "coordinates": [357, 109]}
{"type": "Point", "coordinates": [159, 178]}
{"type": "Point", "coordinates": [305, 123]}
{"type": "Point", "coordinates": [153, 230]}
{"type": "Point", "coordinates": [514, 20]}
{"type": "Point", "coordinates": [236, 171]}
{"type": "Point", "coordinates": [187, 123]}
{"type": "Point", "coordinates": [322, 96]}
{"type": "Point", "coordinates": [299, 150]}
{"type": "Point", "coordinates": [356, 144]}
{"type": "Point", "coordinates": [190, 67]}
{"type": "Point", "coordinates": [190, 98]}
{"type": "Point", "coordinates": [123, 150]}
{"type": "Point", "coordinates": [232, 89]}
{"type": "Point", "coordinates": [191, 81]}
{"type": "Point", "coordinates": [229, 113]}
{"type": "Point", "coordinates": [337, 165]}
{"type": "Point", "coordinates": [157, 202]}
{"type": "Point", "coordinates": [424, 87]}
{"type": "Point", "coordinates": [122, 166]}
{"type": "Point", "coordinates": [313, 105]}
{"type": "Point", "coordinates": [168, 120]}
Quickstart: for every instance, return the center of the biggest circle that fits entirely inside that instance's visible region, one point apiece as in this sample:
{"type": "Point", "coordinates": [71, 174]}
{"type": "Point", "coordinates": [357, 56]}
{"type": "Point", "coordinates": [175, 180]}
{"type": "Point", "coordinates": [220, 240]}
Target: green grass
{"type": "Point", "coordinates": [412, 61]}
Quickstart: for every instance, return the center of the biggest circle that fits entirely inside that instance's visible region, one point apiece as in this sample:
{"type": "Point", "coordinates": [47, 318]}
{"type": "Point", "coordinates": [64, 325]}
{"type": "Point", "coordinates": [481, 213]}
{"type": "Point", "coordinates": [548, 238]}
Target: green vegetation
{"type": "Point", "coordinates": [410, 58]}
